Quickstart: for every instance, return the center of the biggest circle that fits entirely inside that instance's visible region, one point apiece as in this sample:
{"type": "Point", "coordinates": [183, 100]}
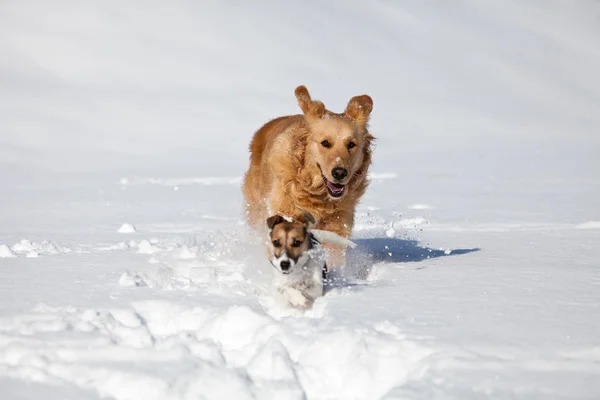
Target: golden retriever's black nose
{"type": "Point", "coordinates": [339, 173]}
{"type": "Point", "coordinates": [285, 265]}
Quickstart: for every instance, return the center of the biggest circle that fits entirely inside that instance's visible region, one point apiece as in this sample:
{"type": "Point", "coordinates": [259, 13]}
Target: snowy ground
{"type": "Point", "coordinates": [477, 273]}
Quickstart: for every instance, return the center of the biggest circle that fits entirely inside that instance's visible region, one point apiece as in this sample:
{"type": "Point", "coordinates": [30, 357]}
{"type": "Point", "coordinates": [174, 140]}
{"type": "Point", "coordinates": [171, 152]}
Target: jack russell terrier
{"type": "Point", "coordinates": [296, 253]}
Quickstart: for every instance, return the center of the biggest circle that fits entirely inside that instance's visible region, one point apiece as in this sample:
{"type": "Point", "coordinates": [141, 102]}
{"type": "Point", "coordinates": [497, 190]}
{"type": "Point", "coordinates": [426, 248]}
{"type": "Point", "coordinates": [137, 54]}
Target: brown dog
{"type": "Point", "coordinates": [316, 162]}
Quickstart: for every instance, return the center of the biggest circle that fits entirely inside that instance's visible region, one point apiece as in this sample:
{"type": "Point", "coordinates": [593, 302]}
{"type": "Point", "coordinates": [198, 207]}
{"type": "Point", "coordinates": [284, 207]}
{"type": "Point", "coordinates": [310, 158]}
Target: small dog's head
{"type": "Point", "coordinates": [289, 241]}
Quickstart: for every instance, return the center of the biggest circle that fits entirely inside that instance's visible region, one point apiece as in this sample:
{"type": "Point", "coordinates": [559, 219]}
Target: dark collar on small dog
{"type": "Point", "coordinates": [312, 241]}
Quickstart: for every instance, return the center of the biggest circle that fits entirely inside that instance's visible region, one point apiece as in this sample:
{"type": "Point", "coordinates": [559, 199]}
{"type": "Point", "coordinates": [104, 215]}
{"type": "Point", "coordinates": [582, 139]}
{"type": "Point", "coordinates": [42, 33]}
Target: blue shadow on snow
{"type": "Point", "coordinates": [360, 260]}
{"type": "Point", "coordinates": [400, 250]}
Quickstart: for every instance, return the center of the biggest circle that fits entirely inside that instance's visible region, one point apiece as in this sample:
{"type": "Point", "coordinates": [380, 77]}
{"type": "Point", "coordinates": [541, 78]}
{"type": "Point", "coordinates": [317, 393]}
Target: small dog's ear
{"type": "Point", "coordinates": [307, 219]}
{"type": "Point", "coordinates": [274, 220]}
{"type": "Point", "coordinates": [359, 108]}
{"type": "Point", "coordinates": [311, 108]}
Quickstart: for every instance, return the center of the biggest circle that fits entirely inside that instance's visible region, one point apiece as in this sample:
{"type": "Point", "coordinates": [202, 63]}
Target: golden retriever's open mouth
{"type": "Point", "coordinates": [335, 190]}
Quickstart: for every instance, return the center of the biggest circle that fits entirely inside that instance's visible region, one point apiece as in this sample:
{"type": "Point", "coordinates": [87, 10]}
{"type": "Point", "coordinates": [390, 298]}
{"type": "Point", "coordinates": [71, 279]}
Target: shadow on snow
{"type": "Point", "coordinates": [360, 260]}
{"type": "Point", "coordinates": [400, 250]}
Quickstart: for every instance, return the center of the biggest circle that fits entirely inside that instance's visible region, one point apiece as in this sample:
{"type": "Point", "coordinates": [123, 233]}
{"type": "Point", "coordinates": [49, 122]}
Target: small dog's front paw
{"type": "Point", "coordinates": [297, 298]}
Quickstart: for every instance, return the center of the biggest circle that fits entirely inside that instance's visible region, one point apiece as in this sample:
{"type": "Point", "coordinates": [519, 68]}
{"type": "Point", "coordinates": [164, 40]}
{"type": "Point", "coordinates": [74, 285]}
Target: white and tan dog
{"type": "Point", "coordinates": [296, 253]}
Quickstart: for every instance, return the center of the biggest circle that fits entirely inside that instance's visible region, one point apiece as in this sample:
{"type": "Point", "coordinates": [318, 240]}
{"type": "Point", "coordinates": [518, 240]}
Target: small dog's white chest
{"type": "Point", "coordinates": [303, 285]}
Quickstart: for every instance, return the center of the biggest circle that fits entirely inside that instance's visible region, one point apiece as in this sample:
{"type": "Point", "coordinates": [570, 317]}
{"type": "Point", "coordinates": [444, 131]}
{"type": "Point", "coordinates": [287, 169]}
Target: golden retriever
{"type": "Point", "coordinates": [316, 162]}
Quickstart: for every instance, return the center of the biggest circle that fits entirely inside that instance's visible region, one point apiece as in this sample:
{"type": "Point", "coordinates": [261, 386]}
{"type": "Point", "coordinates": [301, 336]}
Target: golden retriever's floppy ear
{"type": "Point", "coordinates": [311, 108]}
{"type": "Point", "coordinates": [359, 108]}
{"type": "Point", "coordinates": [274, 220]}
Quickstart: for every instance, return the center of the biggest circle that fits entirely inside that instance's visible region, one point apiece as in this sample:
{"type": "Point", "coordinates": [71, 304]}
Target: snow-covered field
{"type": "Point", "coordinates": [126, 270]}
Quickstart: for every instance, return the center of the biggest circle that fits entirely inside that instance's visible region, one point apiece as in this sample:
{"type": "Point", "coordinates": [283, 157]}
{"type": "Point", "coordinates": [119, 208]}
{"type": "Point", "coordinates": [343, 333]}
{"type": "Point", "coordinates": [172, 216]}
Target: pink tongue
{"type": "Point", "coordinates": [333, 188]}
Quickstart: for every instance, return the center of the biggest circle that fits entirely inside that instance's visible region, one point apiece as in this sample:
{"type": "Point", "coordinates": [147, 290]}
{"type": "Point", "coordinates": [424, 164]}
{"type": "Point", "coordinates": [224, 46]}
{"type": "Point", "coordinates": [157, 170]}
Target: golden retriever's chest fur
{"type": "Point", "coordinates": [291, 164]}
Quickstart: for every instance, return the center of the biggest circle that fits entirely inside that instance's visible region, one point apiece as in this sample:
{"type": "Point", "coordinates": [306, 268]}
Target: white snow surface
{"type": "Point", "coordinates": [477, 269]}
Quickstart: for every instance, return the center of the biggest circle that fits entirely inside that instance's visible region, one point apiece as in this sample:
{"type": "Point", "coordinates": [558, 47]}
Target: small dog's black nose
{"type": "Point", "coordinates": [339, 173]}
{"type": "Point", "coordinates": [285, 265]}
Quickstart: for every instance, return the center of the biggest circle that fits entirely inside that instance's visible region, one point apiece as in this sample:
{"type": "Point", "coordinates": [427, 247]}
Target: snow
{"type": "Point", "coordinates": [176, 182]}
{"type": "Point", "coordinates": [145, 247]}
{"type": "Point", "coordinates": [476, 270]}
{"type": "Point", "coordinates": [589, 225]}
{"type": "Point", "coordinates": [421, 207]}
{"type": "Point", "coordinates": [30, 249]}
{"type": "Point", "coordinates": [127, 228]}
{"type": "Point", "coordinates": [6, 252]}
{"type": "Point", "coordinates": [381, 176]}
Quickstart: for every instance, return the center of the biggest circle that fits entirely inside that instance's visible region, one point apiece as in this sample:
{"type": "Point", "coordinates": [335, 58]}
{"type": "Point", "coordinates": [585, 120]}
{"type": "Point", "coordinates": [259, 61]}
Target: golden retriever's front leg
{"type": "Point", "coordinates": [279, 202]}
{"type": "Point", "coordinates": [335, 256]}
{"type": "Point", "coordinates": [340, 223]}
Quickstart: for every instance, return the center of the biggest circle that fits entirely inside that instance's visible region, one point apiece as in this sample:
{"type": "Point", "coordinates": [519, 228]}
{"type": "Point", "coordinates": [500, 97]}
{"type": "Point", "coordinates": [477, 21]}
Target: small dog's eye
{"type": "Point", "coordinates": [326, 144]}
{"type": "Point", "coordinates": [296, 243]}
{"type": "Point", "coordinates": [276, 243]}
{"type": "Point", "coordinates": [351, 145]}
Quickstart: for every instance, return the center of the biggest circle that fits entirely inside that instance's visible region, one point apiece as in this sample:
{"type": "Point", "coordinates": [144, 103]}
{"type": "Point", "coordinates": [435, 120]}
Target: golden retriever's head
{"type": "Point", "coordinates": [338, 144]}
{"type": "Point", "coordinates": [289, 240]}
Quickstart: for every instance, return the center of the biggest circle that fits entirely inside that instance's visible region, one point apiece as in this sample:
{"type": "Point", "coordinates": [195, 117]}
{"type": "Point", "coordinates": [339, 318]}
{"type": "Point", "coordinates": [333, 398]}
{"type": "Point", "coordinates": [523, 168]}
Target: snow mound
{"type": "Point", "coordinates": [199, 262]}
{"type": "Point", "coordinates": [132, 279]}
{"type": "Point", "coordinates": [420, 206]}
{"type": "Point", "coordinates": [117, 246]}
{"type": "Point", "coordinates": [152, 246]}
{"type": "Point", "coordinates": [589, 225]}
{"type": "Point", "coordinates": [184, 274]}
{"type": "Point", "coordinates": [146, 247]}
{"type": "Point", "coordinates": [6, 252]}
{"type": "Point", "coordinates": [127, 228]}
{"type": "Point", "coordinates": [196, 351]}
{"type": "Point", "coordinates": [185, 253]}
{"type": "Point", "coordinates": [32, 254]}
{"type": "Point", "coordinates": [32, 250]}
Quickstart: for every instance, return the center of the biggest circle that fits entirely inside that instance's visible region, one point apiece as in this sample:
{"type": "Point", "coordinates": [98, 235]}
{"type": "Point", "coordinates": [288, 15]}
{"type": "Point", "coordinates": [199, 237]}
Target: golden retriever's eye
{"type": "Point", "coordinates": [276, 243]}
{"type": "Point", "coordinates": [296, 243]}
{"type": "Point", "coordinates": [326, 144]}
{"type": "Point", "coordinates": [351, 145]}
